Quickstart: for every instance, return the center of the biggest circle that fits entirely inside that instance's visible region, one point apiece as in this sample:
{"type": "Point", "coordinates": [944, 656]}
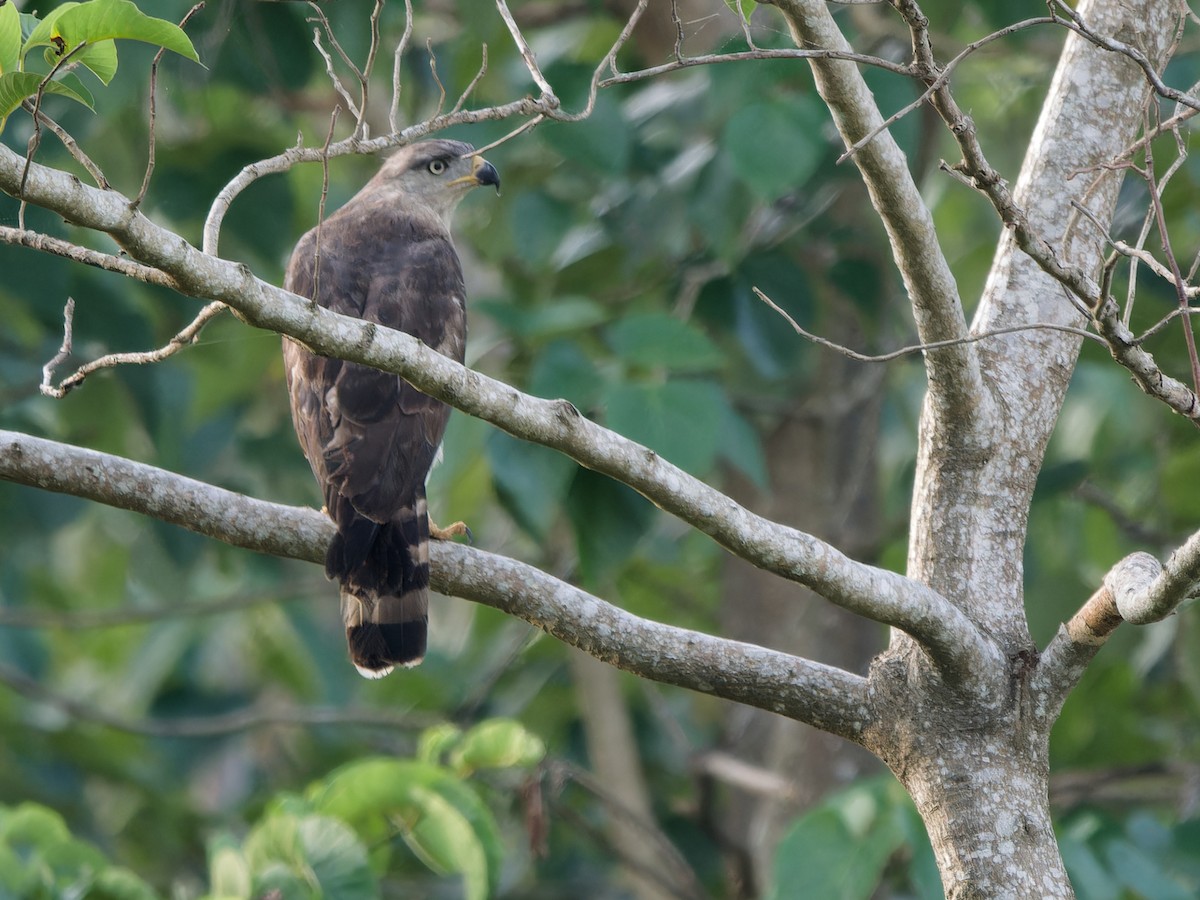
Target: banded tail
{"type": "Point", "coordinates": [383, 570]}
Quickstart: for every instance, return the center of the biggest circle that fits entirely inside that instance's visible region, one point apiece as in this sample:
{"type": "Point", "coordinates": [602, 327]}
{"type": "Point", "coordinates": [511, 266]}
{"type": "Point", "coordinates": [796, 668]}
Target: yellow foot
{"type": "Point", "coordinates": [458, 529]}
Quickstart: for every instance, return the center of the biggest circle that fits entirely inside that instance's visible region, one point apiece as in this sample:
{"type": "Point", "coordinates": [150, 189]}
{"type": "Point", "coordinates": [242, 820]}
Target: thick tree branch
{"type": "Point", "coordinates": [1137, 589]}
{"type": "Point", "coordinates": [820, 695]}
{"type": "Point", "coordinates": [970, 513]}
{"type": "Point", "coordinates": [956, 390]}
{"type": "Point", "coordinates": [958, 647]}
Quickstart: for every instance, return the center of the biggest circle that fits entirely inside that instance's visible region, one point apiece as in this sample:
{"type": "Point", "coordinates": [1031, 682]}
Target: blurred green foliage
{"type": "Point", "coordinates": [616, 271]}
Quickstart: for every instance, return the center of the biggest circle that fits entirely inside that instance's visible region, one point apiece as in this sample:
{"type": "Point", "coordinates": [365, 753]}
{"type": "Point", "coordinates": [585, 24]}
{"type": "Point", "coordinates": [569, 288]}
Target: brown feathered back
{"type": "Point", "coordinates": [370, 437]}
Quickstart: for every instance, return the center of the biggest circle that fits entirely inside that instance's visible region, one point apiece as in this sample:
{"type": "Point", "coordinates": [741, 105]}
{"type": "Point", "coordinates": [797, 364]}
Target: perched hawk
{"type": "Point", "coordinates": [371, 437]}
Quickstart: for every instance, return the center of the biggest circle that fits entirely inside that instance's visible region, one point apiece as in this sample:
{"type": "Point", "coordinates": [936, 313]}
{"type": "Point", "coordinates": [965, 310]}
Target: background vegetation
{"type": "Point", "coordinates": [180, 705]}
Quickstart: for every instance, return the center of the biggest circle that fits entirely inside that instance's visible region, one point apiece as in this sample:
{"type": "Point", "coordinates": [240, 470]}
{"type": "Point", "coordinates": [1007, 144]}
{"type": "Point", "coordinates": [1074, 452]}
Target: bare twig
{"type": "Point", "coordinates": [526, 52]}
{"type": "Point", "coordinates": [1176, 274]}
{"type": "Point", "coordinates": [436, 78]}
{"type": "Point", "coordinates": [141, 194]}
{"type": "Point", "coordinates": [942, 80]}
{"type": "Point", "coordinates": [142, 357]}
{"type": "Point", "coordinates": [57, 246]}
{"type": "Point", "coordinates": [462, 99]}
{"type": "Point", "coordinates": [321, 208]}
{"type": "Point", "coordinates": [68, 142]}
{"type": "Point", "coordinates": [397, 65]}
{"type": "Point", "coordinates": [1071, 19]}
{"type": "Point", "coordinates": [918, 348]}
{"type": "Point", "coordinates": [35, 139]}
{"type": "Point", "coordinates": [333, 76]}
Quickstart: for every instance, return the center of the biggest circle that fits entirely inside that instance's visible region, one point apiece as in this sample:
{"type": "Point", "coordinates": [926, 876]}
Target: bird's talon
{"type": "Point", "coordinates": [457, 529]}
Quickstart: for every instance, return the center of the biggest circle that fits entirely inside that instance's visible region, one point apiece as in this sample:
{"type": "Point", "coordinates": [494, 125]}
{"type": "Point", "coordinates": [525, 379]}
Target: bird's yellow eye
{"type": "Point", "coordinates": [437, 167]}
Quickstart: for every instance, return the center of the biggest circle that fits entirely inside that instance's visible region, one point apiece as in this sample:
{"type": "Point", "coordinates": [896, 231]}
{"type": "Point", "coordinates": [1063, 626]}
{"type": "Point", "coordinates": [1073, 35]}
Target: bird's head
{"type": "Point", "coordinates": [436, 174]}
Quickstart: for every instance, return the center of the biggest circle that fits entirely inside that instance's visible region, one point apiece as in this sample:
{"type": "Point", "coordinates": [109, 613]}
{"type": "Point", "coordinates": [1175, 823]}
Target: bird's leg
{"type": "Point", "coordinates": [456, 529]}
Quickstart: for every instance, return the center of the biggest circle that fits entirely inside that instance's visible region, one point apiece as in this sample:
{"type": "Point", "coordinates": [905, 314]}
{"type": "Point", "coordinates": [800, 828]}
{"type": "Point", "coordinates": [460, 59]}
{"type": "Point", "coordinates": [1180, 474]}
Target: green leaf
{"type": "Point", "coordinates": [657, 339]}
{"type": "Point", "coordinates": [105, 20]}
{"type": "Point", "coordinates": [436, 741]}
{"type": "Point", "coordinates": [10, 38]}
{"type": "Point", "coordinates": [317, 851]}
{"type": "Point", "coordinates": [444, 839]}
{"type": "Point", "coordinates": [116, 883]}
{"type": "Point", "coordinates": [609, 520]}
{"type": "Point", "coordinates": [337, 858]}
{"type": "Point", "coordinates": [100, 59]}
{"type": "Point", "coordinates": [743, 8]}
{"type": "Point", "coordinates": [531, 481]}
{"type": "Point", "coordinates": [741, 446]}
{"type": "Point", "coordinates": [560, 316]}
{"type": "Point", "coordinates": [776, 146]}
{"type": "Point", "coordinates": [371, 794]}
{"type": "Point", "coordinates": [564, 370]}
{"type": "Point", "coordinates": [1141, 873]}
{"type": "Point", "coordinates": [679, 420]}
{"type": "Point", "coordinates": [228, 870]}
{"type": "Point", "coordinates": [497, 744]}
{"type": "Point", "coordinates": [839, 850]}
{"type": "Point", "coordinates": [16, 86]}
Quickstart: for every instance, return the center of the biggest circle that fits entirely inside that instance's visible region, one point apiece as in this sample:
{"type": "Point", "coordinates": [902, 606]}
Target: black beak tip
{"type": "Point", "coordinates": [487, 174]}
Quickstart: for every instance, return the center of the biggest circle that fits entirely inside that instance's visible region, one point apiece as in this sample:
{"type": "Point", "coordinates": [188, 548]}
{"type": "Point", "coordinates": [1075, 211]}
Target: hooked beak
{"type": "Point", "coordinates": [484, 172]}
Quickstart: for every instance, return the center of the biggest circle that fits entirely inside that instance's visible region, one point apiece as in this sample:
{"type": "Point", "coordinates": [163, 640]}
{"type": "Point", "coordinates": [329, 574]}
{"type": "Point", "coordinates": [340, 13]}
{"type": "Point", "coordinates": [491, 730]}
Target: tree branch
{"type": "Point", "coordinates": [955, 644]}
{"type": "Point", "coordinates": [820, 695]}
{"type": "Point", "coordinates": [956, 390]}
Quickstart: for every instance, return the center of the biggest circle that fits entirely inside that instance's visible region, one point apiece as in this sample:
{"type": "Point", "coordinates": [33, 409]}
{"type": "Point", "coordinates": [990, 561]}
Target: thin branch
{"type": "Point", "coordinates": [369, 65]}
{"type": "Point", "coordinates": [942, 80]}
{"type": "Point", "coordinates": [137, 201]}
{"type": "Point", "coordinates": [1074, 22]}
{"type": "Point", "coordinates": [433, 72]}
{"type": "Point", "coordinates": [397, 65]}
{"type": "Point", "coordinates": [526, 51]}
{"type": "Point", "coordinates": [182, 339]}
{"type": "Point", "coordinates": [47, 244]}
{"type": "Point", "coordinates": [713, 59]}
{"type": "Point", "coordinates": [462, 98]}
{"type": "Point", "coordinates": [609, 62]}
{"type": "Point", "coordinates": [1176, 275]}
{"type": "Point", "coordinates": [35, 139]}
{"type": "Point", "coordinates": [918, 348]}
{"type": "Point", "coordinates": [340, 88]}
{"type": "Point", "coordinates": [956, 390]}
{"type": "Point", "coordinates": [352, 145]}
{"type": "Point", "coordinates": [69, 143]}
{"type": "Point", "coordinates": [824, 696]}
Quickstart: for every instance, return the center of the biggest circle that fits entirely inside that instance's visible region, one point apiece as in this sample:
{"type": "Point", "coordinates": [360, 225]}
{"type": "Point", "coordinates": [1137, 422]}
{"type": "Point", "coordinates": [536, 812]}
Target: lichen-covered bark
{"type": "Point", "coordinates": [974, 754]}
{"type": "Point", "coordinates": [980, 776]}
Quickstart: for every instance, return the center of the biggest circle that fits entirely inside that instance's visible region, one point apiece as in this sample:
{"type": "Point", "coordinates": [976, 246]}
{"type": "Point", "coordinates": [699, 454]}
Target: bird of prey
{"type": "Point", "coordinates": [370, 437]}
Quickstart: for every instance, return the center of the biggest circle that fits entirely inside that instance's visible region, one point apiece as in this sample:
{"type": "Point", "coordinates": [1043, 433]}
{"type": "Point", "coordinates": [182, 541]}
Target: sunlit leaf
{"type": "Point", "coordinates": [497, 744]}
{"type": "Point", "coordinates": [371, 795]}
{"type": "Point", "coordinates": [104, 20]}
{"type": "Point", "coordinates": [444, 839]}
{"type": "Point", "coordinates": [16, 86]}
{"type": "Point", "coordinates": [10, 38]}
